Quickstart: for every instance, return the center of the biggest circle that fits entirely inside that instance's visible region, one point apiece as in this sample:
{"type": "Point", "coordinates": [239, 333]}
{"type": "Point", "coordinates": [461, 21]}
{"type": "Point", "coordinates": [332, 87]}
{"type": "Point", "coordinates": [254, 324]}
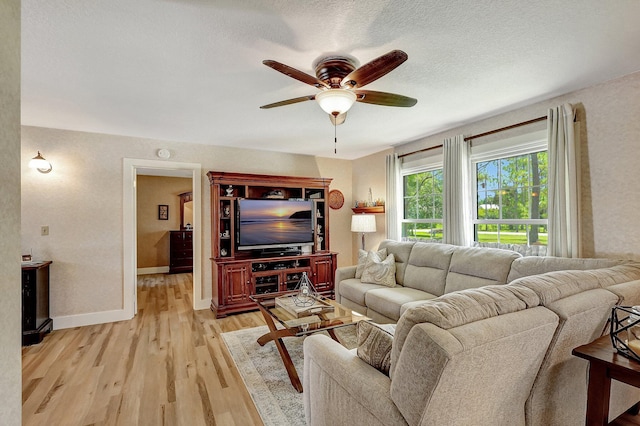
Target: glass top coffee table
{"type": "Point", "coordinates": [317, 319]}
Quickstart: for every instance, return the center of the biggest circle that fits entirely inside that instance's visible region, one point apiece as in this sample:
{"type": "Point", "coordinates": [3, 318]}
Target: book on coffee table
{"type": "Point", "coordinates": [297, 322]}
{"type": "Point", "coordinates": [319, 306]}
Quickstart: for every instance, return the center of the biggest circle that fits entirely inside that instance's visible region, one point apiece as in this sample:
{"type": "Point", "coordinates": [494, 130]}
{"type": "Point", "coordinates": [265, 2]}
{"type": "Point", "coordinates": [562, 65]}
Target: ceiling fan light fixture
{"type": "Point", "coordinates": [334, 101]}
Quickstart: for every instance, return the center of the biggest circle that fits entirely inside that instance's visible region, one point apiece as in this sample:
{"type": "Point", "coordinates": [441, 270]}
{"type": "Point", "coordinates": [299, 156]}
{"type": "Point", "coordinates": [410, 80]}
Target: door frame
{"type": "Point", "coordinates": [131, 168]}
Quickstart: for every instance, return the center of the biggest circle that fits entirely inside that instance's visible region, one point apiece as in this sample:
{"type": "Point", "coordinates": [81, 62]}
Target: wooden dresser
{"type": "Point", "coordinates": [180, 251]}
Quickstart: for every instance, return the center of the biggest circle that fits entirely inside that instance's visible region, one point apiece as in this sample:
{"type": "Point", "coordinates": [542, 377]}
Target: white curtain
{"type": "Point", "coordinates": [393, 197]}
{"type": "Point", "coordinates": [457, 191]}
{"type": "Point", "coordinates": [563, 204]}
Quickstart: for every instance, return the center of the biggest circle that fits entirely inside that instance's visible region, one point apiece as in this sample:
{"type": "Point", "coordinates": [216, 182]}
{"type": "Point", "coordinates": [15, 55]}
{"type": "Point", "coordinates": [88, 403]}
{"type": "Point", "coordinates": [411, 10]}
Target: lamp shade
{"type": "Point", "coordinates": [39, 162]}
{"type": "Point", "coordinates": [363, 223]}
{"type": "Point", "coordinates": [336, 100]}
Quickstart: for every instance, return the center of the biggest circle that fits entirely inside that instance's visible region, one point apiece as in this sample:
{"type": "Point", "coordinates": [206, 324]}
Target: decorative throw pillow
{"type": "Point", "coordinates": [362, 259]}
{"type": "Point", "coordinates": [374, 344]}
{"type": "Point", "coordinates": [378, 271]}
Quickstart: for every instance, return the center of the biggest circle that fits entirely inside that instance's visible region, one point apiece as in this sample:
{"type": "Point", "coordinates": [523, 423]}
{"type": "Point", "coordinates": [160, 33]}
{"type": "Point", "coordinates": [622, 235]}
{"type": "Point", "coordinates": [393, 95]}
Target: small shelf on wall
{"type": "Point", "coordinates": [373, 209]}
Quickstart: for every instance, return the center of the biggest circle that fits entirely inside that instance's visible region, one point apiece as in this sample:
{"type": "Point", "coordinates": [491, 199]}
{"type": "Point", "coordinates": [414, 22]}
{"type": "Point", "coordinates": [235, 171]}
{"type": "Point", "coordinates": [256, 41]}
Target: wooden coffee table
{"type": "Point", "coordinates": [605, 364]}
{"type": "Point", "coordinates": [339, 317]}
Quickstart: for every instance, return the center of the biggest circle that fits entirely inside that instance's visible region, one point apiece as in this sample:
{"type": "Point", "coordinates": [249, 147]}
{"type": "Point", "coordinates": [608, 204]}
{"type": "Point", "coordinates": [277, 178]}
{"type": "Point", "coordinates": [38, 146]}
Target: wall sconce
{"type": "Point", "coordinates": [38, 162]}
{"type": "Point", "coordinates": [363, 223]}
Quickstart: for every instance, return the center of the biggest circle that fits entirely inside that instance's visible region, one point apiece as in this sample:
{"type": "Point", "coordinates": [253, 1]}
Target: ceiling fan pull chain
{"type": "Point", "coordinates": [335, 134]}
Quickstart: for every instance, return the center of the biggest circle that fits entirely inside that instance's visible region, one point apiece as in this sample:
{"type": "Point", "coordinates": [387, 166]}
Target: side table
{"type": "Point", "coordinates": [605, 364]}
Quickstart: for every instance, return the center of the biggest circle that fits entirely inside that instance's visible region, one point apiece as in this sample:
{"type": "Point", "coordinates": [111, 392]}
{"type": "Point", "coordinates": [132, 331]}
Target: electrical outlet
{"type": "Point", "coordinates": [44, 230]}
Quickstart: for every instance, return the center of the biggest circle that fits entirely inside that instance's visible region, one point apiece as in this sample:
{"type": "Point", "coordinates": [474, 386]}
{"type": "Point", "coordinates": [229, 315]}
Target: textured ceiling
{"type": "Point", "coordinates": [191, 70]}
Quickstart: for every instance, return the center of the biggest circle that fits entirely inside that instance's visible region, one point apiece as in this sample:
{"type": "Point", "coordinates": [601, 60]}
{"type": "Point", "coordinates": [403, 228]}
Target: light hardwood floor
{"type": "Point", "coordinates": [167, 366]}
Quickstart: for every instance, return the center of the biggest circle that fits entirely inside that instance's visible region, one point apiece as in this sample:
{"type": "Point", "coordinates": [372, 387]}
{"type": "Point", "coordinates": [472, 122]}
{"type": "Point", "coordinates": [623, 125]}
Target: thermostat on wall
{"type": "Point", "coordinates": [164, 153]}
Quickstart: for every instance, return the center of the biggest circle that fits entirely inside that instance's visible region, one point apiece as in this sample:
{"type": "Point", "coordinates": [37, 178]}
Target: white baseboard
{"type": "Point", "coordinates": [93, 318]}
{"type": "Point", "coordinates": [153, 270]}
{"type": "Point", "coordinates": [80, 320]}
{"type": "Point", "coordinates": [203, 304]}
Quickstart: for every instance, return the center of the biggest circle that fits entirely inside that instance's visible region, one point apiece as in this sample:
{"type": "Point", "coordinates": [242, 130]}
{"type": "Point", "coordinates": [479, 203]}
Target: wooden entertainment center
{"type": "Point", "coordinates": [238, 274]}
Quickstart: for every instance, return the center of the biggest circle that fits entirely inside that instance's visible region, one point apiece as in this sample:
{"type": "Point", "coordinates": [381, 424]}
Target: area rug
{"type": "Point", "coordinates": [264, 374]}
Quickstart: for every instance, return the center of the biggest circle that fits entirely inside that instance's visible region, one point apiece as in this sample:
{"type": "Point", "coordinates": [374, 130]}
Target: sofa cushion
{"type": "Point", "coordinates": [462, 307]}
{"type": "Point", "coordinates": [628, 293]}
{"type": "Point", "coordinates": [362, 259]}
{"type": "Point", "coordinates": [427, 267]}
{"type": "Point", "coordinates": [627, 271]}
{"type": "Point", "coordinates": [388, 301]}
{"type": "Point", "coordinates": [374, 344]}
{"type": "Point", "coordinates": [556, 285]}
{"type": "Point", "coordinates": [379, 271]}
{"type": "Point", "coordinates": [401, 251]}
{"type": "Point", "coordinates": [410, 305]}
{"type": "Point", "coordinates": [535, 265]}
{"type": "Point", "coordinates": [355, 290]}
{"type": "Point", "coordinates": [473, 267]}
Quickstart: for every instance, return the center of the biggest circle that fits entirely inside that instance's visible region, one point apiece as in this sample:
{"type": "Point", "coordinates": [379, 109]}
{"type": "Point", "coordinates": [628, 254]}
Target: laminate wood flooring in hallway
{"type": "Point", "coordinates": [166, 366]}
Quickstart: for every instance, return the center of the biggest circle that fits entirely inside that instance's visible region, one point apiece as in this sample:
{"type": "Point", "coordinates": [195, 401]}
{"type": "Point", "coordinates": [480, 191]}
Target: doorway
{"type": "Point", "coordinates": [132, 168]}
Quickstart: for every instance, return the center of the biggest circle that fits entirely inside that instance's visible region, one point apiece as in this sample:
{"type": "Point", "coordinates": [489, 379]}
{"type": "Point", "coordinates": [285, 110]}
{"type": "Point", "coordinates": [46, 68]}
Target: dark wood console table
{"type": "Point", "coordinates": [605, 364]}
{"type": "Point", "coordinates": [35, 302]}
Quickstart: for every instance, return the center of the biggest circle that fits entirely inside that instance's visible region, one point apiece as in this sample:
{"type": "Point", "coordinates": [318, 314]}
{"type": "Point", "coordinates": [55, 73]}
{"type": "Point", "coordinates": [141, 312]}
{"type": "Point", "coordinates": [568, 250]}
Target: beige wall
{"type": "Point", "coordinates": [370, 172]}
{"type": "Point", "coordinates": [153, 234]}
{"type": "Point", "coordinates": [10, 302]}
{"type": "Point", "coordinates": [609, 135]}
{"type": "Point", "coordinates": [339, 219]}
{"type": "Point", "coordinates": [82, 202]}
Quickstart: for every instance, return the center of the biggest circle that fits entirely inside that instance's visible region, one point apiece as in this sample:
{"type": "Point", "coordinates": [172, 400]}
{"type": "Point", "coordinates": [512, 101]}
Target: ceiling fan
{"type": "Point", "coordinates": [340, 82]}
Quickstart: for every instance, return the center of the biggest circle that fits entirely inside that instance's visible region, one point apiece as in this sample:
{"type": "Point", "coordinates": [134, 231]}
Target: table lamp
{"type": "Point", "coordinates": [363, 223]}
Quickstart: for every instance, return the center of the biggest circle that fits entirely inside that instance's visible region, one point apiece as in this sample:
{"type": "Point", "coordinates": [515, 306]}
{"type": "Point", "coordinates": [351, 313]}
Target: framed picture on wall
{"type": "Point", "coordinates": [163, 212]}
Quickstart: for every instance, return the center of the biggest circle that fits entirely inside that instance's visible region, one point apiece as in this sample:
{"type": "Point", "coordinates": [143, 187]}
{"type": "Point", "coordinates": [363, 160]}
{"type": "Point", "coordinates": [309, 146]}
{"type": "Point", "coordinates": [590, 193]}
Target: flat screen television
{"type": "Point", "coordinates": [268, 223]}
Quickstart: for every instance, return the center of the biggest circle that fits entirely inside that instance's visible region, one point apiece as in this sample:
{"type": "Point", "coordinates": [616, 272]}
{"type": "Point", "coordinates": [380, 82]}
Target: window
{"type": "Point", "coordinates": [511, 199]}
{"type": "Point", "coordinates": [422, 212]}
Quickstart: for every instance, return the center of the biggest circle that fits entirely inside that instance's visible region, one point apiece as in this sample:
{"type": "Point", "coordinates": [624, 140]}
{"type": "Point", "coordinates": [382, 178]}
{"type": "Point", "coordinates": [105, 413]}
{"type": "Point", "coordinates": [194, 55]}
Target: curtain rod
{"type": "Point", "coordinates": [490, 132]}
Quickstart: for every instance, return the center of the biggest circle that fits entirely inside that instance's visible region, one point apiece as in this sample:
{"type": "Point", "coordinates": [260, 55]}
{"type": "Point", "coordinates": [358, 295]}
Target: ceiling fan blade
{"type": "Point", "coordinates": [294, 73]}
{"type": "Point", "coordinates": [384, 98]}
{"type": "Point", "coordinates": [289, 101]}
{"type": "Point", "coordinates": [375, 69]}
{"type": "Point", "coordinates": [339, 119]}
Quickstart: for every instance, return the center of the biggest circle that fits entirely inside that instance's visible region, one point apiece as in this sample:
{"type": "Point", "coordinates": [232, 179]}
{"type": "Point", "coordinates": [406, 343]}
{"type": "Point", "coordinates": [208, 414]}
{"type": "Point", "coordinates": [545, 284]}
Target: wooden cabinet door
{"type": "Point", "coordinates": [237, 283]}
{"type": "Point", "coordinates": [291, 278]}
{"type": "Point", "coordinates": [266, 282]}
{"type": "Point", "coordinates": [322, 269]}
{"type": "Point", "coordinates": [29, 297]}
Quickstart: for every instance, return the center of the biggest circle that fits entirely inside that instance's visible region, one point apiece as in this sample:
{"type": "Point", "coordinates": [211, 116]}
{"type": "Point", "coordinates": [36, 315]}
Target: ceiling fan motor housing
{"type": "Point", "coordinates": [332, 69]}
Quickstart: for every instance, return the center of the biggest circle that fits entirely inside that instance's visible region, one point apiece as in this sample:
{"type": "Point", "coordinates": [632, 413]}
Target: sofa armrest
{"type": "Point", "coordinates": [343, 273]}
{"type": "Point", "coordinates": [340, 388]}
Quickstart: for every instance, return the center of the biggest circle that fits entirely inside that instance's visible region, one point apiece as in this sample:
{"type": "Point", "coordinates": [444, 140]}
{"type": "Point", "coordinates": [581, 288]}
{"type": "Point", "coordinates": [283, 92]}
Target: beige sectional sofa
{"type": "Point", "coordinates": [498, 354]}
{"type": "Point", "coordinates": [427, 270]}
